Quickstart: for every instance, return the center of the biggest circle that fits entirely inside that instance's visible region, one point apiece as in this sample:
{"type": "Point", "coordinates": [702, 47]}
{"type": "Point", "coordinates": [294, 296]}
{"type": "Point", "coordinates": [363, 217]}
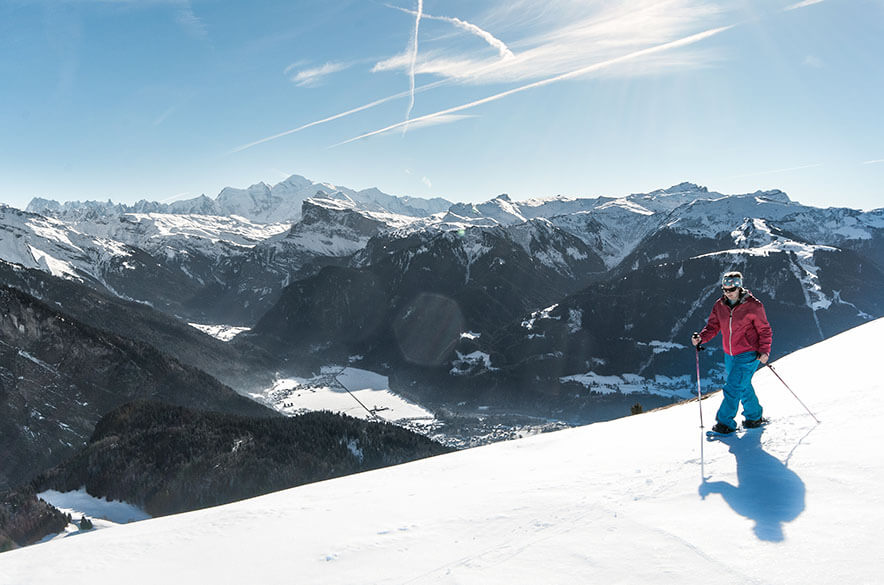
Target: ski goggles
{"type": "Point", "coordinates": [731, 282]}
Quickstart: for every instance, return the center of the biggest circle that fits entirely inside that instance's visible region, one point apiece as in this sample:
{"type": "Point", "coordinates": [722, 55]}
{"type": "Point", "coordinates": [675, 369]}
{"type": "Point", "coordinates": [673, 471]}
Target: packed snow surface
{"type": "Point", "coordinates": [644, 499]}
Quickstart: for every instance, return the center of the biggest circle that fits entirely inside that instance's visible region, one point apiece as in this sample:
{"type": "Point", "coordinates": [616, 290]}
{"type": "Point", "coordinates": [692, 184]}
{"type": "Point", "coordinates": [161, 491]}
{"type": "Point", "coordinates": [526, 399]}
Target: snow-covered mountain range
{"type": "Point", "coordinates": [281, 230]}
{"type": "Point", "coordinates": [643, 499]}
{"type": "Point", "coordinates": [324, 273]}
{"type": "Point", "coordinates": [259, 203]}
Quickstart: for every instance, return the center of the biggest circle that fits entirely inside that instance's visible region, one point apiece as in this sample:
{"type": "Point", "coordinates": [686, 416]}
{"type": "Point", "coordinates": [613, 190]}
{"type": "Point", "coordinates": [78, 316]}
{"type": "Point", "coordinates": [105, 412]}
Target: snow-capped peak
{"type": "Point", "coordinates": [627, 204]}
{"type": "Point", "coordinates": [259, 202]}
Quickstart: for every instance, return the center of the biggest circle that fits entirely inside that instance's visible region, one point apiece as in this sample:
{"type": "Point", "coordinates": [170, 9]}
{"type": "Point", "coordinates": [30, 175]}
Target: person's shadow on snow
{"type": "Point", "coordinates": [769, 493]}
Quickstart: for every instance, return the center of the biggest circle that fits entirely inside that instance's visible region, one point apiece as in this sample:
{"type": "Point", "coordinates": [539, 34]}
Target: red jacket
{"type": "Point", "coordinates": [743, 327]}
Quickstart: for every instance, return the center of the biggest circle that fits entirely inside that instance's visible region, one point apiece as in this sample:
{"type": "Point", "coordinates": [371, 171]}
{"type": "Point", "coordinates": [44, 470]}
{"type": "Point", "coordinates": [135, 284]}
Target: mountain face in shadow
{"type": "Point", "coordinates": [241, 367]}
{"type": "Point", "coordinates": [58, 377]}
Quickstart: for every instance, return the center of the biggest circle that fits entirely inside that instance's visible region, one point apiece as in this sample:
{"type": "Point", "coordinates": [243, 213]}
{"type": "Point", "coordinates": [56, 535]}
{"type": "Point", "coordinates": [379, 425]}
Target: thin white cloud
{"type": "Point", "coordinates": [579, 72]}
{"type": "Point", "coordinates": [595, 38]}
{"type": "Point", "coordinates": [191, 22]}
{"type": "Point", "coordinates": [184, 14]}
{"type": "Point", "coordinates": [400, 61]}
{"type": "Point", "coordinates": [162, 117]}
{"type": "Point", "coordinates": [814, 61]}
{"type": "Point", "coordinates": [605, 31]}
{"type": "Point", "coordinates": [802, 4]}
{"type": "Point", "coordinates": [313, 76]}
{"type": "Point", "coordinates": [294, 66]}
{"type": "Point", "coordinates": [426, 181]}
{"type": "Point", "coordinates": [874, 162]}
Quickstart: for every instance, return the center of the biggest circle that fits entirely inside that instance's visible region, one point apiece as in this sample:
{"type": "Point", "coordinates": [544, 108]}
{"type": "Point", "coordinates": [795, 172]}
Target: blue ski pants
{"type": "Point", "coordinates": [738, 371]}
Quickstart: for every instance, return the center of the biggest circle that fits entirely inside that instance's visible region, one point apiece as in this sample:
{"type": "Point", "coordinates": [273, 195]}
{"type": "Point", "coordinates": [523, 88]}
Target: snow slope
{"type": "Point", "coordinates": [637, 500]}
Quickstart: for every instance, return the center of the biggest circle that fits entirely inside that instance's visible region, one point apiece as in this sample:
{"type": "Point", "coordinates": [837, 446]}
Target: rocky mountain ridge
{"type": "Point", "coordinates": [817, 270]}
{"type": "Point", "coordinates": [500, 301]}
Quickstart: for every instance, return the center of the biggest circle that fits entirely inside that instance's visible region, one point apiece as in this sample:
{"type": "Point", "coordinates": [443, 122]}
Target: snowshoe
{"type": "Point", "coordinates": [754, 424]}
{"type": "Point", "coordinates": [719, 430]}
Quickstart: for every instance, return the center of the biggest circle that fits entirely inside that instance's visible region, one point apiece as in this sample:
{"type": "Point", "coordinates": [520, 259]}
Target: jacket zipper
{"type": "Point", "coordinates": [730, 329]}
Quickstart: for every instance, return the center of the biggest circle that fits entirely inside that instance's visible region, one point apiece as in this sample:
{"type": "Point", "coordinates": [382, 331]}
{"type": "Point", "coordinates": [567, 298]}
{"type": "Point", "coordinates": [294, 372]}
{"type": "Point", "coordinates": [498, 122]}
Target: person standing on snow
{"type": "Point", "coordinates": [746, 338]}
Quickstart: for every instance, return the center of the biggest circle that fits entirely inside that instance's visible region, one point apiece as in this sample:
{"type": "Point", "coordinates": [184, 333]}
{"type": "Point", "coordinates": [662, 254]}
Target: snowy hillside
{"type": "Point", "coordinates": [638, 500]}
{"type": "Point", "coordinates": [86, 248]}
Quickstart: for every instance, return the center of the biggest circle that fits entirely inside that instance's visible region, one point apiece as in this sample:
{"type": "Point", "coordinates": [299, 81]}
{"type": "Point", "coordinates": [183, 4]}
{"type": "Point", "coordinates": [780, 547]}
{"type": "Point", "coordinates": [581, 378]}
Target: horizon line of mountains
{"type": "Point", "coordinates": [322, 273]}
{"type": "Point", "coordinates": [282, 202]}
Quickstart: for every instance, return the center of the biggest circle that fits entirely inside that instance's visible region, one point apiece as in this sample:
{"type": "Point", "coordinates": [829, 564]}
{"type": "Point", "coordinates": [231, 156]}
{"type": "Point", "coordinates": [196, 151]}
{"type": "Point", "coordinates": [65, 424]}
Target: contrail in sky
{"type": "Point", "coordinates": [340, 115]}
{"type": "Point", "coordinates": [410, 92]}
{"type": "Point", "coordinates": [417, 24]}
{"type": "Point", "coordinates": [471, 28]}
{"type": "Point", "coordinates": [485, 35]}
{"type": "Point", "coordinates": [501, 47]}
{"type": "Point", "coordinates": [550, 80]}
{"type": "Point", "coordinates": [802, 4]}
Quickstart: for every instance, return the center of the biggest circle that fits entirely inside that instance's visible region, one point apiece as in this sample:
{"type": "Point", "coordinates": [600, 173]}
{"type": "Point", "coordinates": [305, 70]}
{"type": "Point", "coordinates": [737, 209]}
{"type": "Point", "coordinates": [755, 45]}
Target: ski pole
{"type": "Point", "coordinates": [793, 393]}
{"type": "Point", "coordinates": [699, 347]}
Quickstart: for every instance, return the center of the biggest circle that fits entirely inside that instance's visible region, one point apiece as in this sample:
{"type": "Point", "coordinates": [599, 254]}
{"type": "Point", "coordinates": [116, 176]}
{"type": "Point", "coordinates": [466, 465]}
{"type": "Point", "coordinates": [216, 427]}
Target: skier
{"type": "Point", "coordinates": [746, 339]}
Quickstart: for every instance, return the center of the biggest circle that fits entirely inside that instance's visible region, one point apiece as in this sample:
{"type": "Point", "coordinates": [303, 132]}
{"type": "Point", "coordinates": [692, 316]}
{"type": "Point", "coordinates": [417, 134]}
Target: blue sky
{"type": "Point", "coordinates": [169, 99]}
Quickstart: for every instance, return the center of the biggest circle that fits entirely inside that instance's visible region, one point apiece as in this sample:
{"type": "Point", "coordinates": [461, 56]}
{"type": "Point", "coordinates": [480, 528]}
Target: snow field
{"type": "Point", "coordinates": [644, 499]}
{"type": "Point", "coordinates": [221, 332]}
{"type": "Point", "coordinates": [342, 390]}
